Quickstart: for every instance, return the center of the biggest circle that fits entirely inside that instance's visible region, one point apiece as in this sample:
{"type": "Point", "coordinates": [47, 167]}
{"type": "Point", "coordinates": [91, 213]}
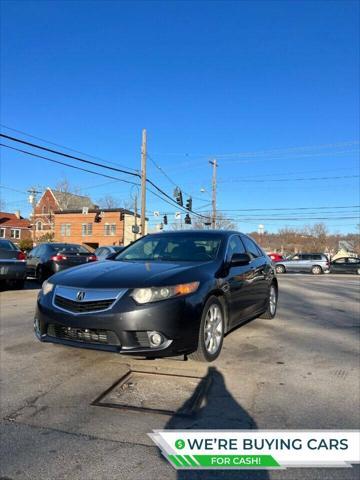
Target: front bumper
{"type": "Point", "coordinates": [123, 329]}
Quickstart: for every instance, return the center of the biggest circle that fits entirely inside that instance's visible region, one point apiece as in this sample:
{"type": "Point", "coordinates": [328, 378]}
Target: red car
{"type": "Point", "coordinates": [275, 257]}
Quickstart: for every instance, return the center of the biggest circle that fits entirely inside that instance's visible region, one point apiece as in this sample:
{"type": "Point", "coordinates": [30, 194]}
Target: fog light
{"type": "Point", "coordinates": [155, 338]}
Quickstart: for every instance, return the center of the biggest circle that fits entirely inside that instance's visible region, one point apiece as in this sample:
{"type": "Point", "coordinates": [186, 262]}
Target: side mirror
{"type": "Point", "coordinates": [239, 259]}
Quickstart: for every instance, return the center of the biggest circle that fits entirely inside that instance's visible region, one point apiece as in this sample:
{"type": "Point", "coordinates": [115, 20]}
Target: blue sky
{"type": "Point", "coordinates": [271, 89]}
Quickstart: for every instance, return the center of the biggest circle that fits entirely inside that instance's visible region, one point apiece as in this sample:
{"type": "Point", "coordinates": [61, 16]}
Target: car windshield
{"type": "Point", "coordinates": [173, 248]}
{"type": "Point", "coordinates": [69, 248]}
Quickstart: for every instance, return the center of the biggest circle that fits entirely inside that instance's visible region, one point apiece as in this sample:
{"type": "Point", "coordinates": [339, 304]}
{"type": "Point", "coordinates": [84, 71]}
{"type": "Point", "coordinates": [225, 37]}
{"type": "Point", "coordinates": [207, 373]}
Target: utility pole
{"type": "Point", "coordinates": [135, 215]}
{"type": "Point", "coordinates": [143, 181]}
{"type": "Point", "coordinates": [32, 200]}
{"type": "Point", "coordinates": [213, 202]}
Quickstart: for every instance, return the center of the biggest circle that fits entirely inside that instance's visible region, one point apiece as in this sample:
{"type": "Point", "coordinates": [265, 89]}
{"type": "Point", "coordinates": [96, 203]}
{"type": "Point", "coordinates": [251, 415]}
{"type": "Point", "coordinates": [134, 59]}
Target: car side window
{"type": "Point", "coordinates": [340, 260]}
{"type": "Point", "coordinates": [305, 257]}
{"type": "Point", "coordinates": [235, 245]}
{"type": "Point", "coordinates": [316, 257]}
{"type": "Point", "coordinates": [353, 260]}
{"type": "Point", "coordinates": [251, 247]}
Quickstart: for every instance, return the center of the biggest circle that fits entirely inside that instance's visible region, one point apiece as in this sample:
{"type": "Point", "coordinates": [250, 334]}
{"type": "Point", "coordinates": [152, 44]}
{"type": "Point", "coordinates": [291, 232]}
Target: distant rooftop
{"type": "Point", "coordinates": [71, 201]}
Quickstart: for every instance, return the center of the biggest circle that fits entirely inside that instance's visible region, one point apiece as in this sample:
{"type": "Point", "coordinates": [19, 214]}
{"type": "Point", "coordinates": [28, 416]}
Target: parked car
{"type": "Point", "coordinates": [315, 263]}
{"type": "Point", "coordinates": [12, 264]}
{"type": "Point", "coordinates": [168, 293]}
{"type": "Point", "coordinates": [275, 257]}
{"type": "Point", "coordinates": [49, 258]}
{"type": "Point", "coordinates": [345, 265]}
{"type": "Point", "coordinates": [103, 253]}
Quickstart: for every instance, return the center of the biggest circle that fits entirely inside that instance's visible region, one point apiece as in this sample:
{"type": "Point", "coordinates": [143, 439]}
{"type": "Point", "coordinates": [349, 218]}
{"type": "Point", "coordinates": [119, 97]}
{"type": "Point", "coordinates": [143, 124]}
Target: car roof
{"type": "Point", "coordinates": [209, 233]}
{"type": "Point", "coordinates": [60, 244]}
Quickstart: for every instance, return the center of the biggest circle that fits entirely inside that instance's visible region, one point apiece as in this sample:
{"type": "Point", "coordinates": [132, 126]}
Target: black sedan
{"type": "Point", "coordinates": [49, 258]}
{"type": "Point", "coordinates": [12, 264]}
{"type": "Point", "coordinates": [167, 294]}
{"type": "Point", "coordinates": [345, 265]}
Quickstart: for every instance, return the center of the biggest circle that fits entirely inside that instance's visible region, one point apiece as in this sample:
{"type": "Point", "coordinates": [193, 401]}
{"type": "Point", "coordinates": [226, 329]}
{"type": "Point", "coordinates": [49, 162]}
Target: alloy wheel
{"type": "Point", "coordinates": [316, 270]}
{"type": "Point", "coordinates": [213, 328]}
{"type": "Point", "coordinates": [272, 300]}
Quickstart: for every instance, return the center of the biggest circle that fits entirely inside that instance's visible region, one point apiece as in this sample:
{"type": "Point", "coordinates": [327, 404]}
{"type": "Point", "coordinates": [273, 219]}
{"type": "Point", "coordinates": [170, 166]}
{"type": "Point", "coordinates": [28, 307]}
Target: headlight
{"type": "Point", "coordinates": [47, 287]}
{"type": "Point", "coordinates": [154, 294]}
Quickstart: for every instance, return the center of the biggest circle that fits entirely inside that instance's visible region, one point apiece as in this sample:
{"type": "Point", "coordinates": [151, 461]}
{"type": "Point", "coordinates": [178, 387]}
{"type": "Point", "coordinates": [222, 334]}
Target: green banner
{"type": "Point", "coordinates": [223, 461]}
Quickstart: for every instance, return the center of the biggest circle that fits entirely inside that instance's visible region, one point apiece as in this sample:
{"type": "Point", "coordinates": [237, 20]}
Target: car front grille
{"type": "Point", "coordinates": [82, 307]}
{"type": "Point", "coordinates": [85, 335]}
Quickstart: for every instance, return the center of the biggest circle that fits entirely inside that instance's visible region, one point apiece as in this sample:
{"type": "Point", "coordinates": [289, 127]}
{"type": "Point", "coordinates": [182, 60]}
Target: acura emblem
{"type": "Point", "coordinates": [80, 296]}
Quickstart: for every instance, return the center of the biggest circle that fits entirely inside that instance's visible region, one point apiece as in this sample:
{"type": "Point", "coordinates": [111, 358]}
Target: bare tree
{"type": "Point", "coordinates": [222, 222]}
{"type": "Point", "coordinates": [67, 190]}
{"type": "Point", "coordinates": [108, 202]}
{"type": "Point", "coordinates": [204, 222]}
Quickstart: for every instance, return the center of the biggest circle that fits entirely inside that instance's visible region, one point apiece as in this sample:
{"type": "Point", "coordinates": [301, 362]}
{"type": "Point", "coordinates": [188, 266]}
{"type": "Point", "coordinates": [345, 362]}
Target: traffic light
{"type": "Point", "coordinates": [178, 196]}
{"type": "Point", "coordinates": [187, 219]}
{"type": "Point", "coordinates": [189, 203]}
{"type": "Point", "coordinates": [165, 220]}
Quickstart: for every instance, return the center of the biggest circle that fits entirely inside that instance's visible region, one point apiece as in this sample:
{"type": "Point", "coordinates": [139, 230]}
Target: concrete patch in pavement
{"type": "Point", "coordinates": [156, 392]}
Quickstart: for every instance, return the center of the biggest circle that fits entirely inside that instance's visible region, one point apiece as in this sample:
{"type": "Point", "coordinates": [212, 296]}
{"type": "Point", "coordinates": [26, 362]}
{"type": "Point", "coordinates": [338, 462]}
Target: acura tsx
{"type": "Point", "coordinates": [169, 293]}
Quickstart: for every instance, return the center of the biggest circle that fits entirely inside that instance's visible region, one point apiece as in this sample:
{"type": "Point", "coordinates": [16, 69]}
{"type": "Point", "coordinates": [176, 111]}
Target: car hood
{"type": "Point", "coordinates": [116, 274]}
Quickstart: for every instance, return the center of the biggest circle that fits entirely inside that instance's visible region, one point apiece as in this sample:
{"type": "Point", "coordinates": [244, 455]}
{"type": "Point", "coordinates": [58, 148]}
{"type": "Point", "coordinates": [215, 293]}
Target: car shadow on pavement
{"type": "Point", "coordinates": [218, 410]}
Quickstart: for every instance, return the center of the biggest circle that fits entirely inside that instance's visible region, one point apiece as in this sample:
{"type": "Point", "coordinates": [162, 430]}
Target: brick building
{"type": "Point", "coordinates": [54, 200]}
{"type": "Point", "coordinates": [14, 227]}
{"type": "Point", "coordinates": [84, 227]}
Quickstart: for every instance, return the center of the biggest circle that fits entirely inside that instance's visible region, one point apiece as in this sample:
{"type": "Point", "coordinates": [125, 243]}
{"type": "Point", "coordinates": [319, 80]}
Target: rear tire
{"type": "Point", "coordinates": [271, 308]}
{"type": "Point", "coordinates": [316, 270]}
{"type": "Point", "coordinates": [40, 274]}
{"type": "Point", "coordinates": [280, 269]}
{"type": "Point", "coordinates": [211, 332]}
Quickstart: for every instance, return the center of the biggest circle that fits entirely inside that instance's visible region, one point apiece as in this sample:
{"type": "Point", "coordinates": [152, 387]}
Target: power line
{"type": "Point", "coordinates": [50, 150]}
{"type": "Point", "coordinates": [68, 164]}
{"type": "Point", "coordinates": [238, 180]}
{"type": "Point", "coordinates": [63, 146]}
{"type": "Point", "coordinates": [288, 208]}
{"type": "Point", "coordinates": [102, 175]}
{"type": "Point", "coordinates": [91, 163]}
{"type": "Point", "coordinates": [13, 189]}
{"type": "Point", "coordinates": [170, 179]}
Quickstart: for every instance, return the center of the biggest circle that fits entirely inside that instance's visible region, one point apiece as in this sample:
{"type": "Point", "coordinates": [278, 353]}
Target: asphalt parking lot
{"type": "Point", "coordinates": [298, 371]}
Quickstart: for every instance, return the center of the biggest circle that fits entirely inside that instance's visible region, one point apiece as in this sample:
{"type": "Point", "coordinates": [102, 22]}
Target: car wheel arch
{"type": "Point", "coordinates": [220, 295]}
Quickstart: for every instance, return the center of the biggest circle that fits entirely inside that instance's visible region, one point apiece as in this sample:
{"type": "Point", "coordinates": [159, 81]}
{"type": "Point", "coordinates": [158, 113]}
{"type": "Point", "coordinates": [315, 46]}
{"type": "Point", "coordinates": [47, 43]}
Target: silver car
{"type": "Point", "coordinates": [315, 263]}
{"type": "Point", "coordinates": [103, 253]}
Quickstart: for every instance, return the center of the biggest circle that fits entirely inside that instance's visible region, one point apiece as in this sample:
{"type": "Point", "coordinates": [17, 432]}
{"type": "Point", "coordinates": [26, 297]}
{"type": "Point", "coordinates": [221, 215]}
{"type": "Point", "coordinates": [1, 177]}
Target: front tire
{"type": "Point", "coordinates": [280, 269]}
{"type": "Point", "coordinates": [316, 270]}
{"type": "Point", "coordinates": [271, 308]}
{"type": "Point", "coordinates": [211, 332]}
